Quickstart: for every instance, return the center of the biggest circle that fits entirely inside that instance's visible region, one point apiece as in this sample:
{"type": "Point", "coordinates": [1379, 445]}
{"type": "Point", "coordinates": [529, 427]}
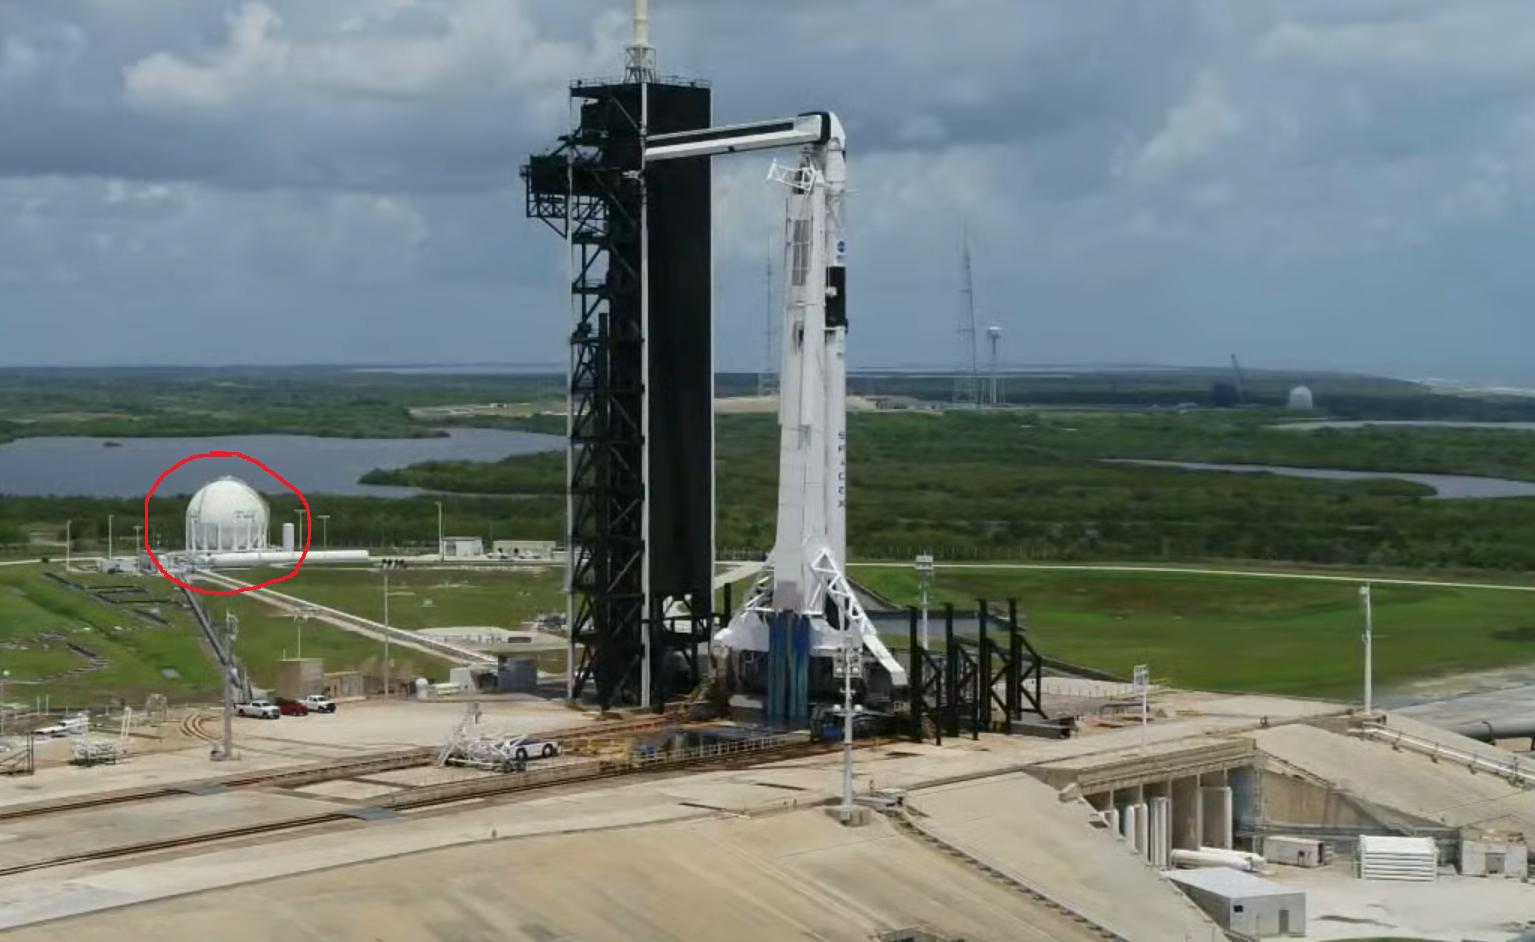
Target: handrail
{"type": "Point", "coordinates": [1509, 770]}
{"type": "Point", "coordinates": [435, 645]}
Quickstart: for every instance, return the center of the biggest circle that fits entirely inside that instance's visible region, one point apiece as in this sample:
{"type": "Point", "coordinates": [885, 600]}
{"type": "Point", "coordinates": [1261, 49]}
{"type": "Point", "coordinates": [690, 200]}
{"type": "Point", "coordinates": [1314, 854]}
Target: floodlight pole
{"type": "Point", "coordinates": [231, 631]}
{"type": "Point", "coordinates": [1369, 653]}
{"type": "Point", "coordinates": [386, 627]}
{"type": "Point", "coordinates": [442, 552]}
{"type": "Point", "coordinates": [68, 526]}
{"type": "Point", "coordinates": [1142, 679]}
{"type": "Point", "coordinates": [325, 530]}
{"type": "Point", "coordinates": [924, 579]}
{"type": "Point", "coordinates": [109, 541]}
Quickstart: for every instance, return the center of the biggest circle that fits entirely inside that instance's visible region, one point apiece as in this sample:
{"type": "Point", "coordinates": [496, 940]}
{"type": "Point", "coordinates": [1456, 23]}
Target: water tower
{"type": "Point", "coordinates": [994, 335]}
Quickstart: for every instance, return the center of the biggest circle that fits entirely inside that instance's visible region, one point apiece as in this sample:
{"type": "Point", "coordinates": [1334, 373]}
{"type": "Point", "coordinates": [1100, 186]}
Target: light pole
{"type": "Point", "coordinates": [299, 617]}
{"type": "Point", "coordinates": [300, 513]}
{"type": "Point", "coordinates": [325, 530]}
{"type": "Point", "coordinates": [384, 566]}
{"type": "Point", "coordinates": [1142, 679]}
{"type": "Point", "coordinates": [137, 543]}
{"type": "Point", "coordinates": [441, 550]}
{"type": "Point", "coordinates": [1369, 653]}
{"type": "Point", "coordinates": [68, 526]}
{"type": "Point", "coordinates": [4, 676]}
{"type": "Point", "coordinates": [109, 541]}
{"type": "Point", "coordinates": [924, 579]}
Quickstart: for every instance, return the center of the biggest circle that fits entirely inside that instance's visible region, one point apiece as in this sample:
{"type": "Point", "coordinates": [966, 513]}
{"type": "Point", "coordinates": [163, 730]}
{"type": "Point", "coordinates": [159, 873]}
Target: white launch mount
{"type": "Point", "coordinates": [806, 575]}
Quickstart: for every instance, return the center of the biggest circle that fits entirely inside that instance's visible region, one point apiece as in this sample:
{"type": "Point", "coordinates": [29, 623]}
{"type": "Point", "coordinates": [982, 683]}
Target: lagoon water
{"type": "Point", "coordinates": [1446, 486]}
{"type": "Point", "coordinates": [1402, 423]}
{"type": "Point", "coordinates": [89, 467]}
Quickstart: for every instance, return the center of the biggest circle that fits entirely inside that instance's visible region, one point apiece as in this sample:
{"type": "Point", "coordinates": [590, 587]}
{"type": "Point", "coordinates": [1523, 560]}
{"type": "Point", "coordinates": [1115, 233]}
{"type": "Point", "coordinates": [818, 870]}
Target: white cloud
{"type": "Point", "coordinates": [1141, 167]}
{"type": "Point", "coordinates": [349, 61]}
{"type": "Point", "coordinates": [1193, 131]}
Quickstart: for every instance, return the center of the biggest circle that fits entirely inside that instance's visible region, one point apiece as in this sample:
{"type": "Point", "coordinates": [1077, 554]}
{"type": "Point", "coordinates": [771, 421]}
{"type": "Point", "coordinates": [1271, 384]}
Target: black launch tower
{"type": "Point", "coordinates": [641, 434]}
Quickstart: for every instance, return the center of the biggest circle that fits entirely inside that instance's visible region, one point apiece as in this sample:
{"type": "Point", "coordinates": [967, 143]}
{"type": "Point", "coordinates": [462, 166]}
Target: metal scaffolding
{"type": "Point", "coordinates": [986, 683]}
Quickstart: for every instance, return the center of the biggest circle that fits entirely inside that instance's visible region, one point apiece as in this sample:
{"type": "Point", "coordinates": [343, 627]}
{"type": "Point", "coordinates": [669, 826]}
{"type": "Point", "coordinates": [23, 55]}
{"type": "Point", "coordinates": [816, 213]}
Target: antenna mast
{"type": "Point", "coordinates": [967, 382]}
{"type": "Point", "coordinates": [640, 65]}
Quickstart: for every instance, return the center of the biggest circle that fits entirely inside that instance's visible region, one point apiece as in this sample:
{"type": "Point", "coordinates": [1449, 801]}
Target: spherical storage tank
{"type": "Point", "coordinates": [226, 516]}
{"type": "Point", "coordinates": [1301, 400]}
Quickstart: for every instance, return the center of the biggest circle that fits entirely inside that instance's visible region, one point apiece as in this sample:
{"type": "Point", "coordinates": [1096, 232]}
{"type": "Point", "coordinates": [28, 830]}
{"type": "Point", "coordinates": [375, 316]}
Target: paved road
{"type": "Point", "coordinates": [1191, 571]}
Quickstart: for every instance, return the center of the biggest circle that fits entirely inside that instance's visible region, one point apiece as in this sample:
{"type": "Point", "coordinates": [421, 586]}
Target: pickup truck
{"type": "Point", "coordinates": [319, 703]}
{"type": "Point", "coordinates": [260, 709]}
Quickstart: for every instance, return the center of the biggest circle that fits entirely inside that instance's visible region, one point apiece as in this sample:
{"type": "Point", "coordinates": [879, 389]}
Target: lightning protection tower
{"type": "Point", "coordinates": [967, 379]}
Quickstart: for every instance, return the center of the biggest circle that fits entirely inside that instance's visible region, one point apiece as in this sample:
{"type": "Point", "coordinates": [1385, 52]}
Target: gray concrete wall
{"type": "Point", "coordinates": [1215, 809]}
{"type": "Point", "coordinates": [1187, 816]}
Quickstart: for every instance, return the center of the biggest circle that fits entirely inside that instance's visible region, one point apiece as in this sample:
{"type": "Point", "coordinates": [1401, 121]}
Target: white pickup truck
{"type": "Point", "coordinates": [260, 709]}
{"type": "Point", "coordinates": [319, 703]}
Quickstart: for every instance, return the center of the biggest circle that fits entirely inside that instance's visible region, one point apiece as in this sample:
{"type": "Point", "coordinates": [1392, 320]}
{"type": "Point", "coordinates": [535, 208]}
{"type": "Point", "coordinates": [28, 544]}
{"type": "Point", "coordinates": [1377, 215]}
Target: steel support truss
{"type": "Point", "coordinates": [983, 683]}
{"type": "Point", "coordinates": [589, 190]}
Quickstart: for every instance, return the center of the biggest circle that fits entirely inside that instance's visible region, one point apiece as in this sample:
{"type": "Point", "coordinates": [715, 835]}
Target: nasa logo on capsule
{"type": "Point", "coordinates": [841, 246]}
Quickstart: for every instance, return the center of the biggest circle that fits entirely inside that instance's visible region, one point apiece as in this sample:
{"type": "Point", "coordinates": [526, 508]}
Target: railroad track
{"type": "Point", "coordinates": [192, 726]}
{"type": "Point", "coordinates": [728, 755]}
{"type": "Point", "coordinates": [273, 778]}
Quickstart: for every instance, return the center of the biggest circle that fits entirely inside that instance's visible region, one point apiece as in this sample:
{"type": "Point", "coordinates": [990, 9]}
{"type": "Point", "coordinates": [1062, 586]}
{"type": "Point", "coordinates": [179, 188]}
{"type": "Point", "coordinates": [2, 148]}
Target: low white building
{"type": "Point", "coordinates": [1244, 904]}
{"type": "Point", "coordinates": [463, 547]}
{"type": "Point", "coordinates": [1494, 856]}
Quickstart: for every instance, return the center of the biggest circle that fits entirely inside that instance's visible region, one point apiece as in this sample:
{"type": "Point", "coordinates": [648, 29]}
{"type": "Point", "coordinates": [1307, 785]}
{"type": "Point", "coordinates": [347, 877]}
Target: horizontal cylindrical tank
{"type": "Point", "coordinates": [274, 558]}
{"type": "Point", "coordinates": [1216, 857]}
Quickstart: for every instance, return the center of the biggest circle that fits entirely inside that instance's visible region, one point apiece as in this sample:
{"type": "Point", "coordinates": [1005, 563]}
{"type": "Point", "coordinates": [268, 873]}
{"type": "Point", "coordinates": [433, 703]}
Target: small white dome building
{"type": "Point", "coordinates": [1301, 399]}
{"type": "Point", "coordinates": [227, 516]}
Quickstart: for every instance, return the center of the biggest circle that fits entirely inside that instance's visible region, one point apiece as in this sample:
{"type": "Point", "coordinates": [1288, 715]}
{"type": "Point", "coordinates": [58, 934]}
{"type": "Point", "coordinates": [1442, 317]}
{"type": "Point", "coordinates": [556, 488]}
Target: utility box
{"type": "Point", "coordinates": [1296, 851]}
{"type": "Point", "coordinates": [516, 674]}
{"type": "Point", "coordinates": [1244, 904]}
{"type": "Point", "coordinates": [1490, 856]}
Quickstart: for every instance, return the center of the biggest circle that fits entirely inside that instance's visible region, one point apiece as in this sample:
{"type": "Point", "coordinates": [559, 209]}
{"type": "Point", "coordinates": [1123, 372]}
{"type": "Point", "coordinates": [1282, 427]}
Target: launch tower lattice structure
{"type": "Point", "coordinates": [640, 390]}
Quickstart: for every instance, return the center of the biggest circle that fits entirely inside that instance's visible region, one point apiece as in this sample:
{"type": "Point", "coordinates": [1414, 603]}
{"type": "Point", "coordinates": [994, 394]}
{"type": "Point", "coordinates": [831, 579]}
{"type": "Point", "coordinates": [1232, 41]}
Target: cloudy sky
{"type": "Point", "coordinates": [1329, 183]}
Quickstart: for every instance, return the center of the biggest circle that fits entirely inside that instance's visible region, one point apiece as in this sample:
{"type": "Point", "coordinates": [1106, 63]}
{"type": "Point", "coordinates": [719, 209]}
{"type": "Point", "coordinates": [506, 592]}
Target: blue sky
{"type": "Point", "coordinates": [1311, 183]}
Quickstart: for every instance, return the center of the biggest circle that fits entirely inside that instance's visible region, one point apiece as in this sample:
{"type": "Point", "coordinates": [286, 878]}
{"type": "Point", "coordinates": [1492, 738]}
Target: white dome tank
{"type": "Point", "coordinates": [227, 516]}
{"type": "Point", "coordinates": [1301, 399]}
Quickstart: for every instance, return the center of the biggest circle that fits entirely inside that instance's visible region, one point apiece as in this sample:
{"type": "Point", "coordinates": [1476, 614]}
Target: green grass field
{"type": "Point", "coordinates": [139, 650]}
{"type": "Point", "coordinates": [1224, 633]}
